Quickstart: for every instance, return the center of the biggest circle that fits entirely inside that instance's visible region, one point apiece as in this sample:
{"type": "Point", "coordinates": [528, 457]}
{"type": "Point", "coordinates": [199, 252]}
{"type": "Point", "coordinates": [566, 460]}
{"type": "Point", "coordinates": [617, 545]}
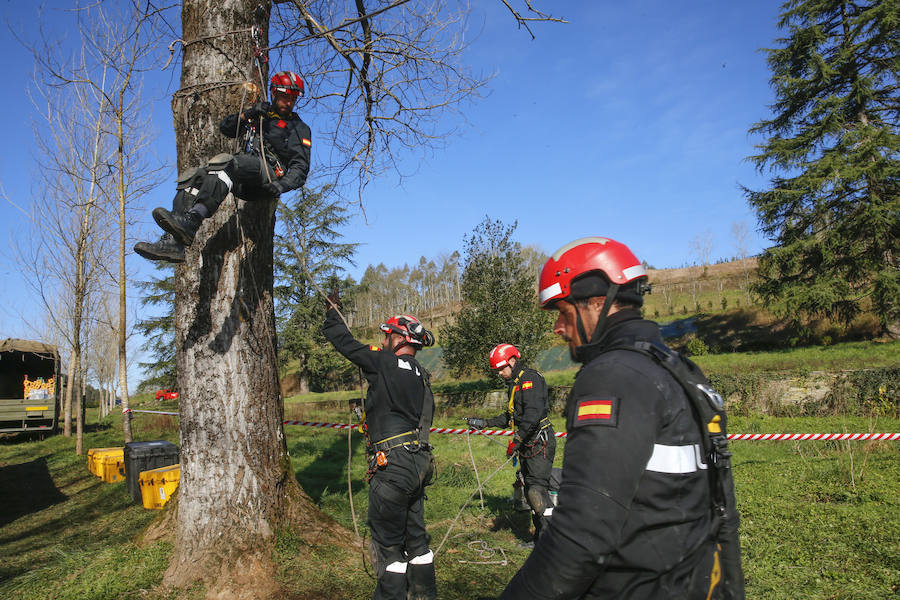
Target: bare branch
{"type": "Point", "coordinates": [523, 21]}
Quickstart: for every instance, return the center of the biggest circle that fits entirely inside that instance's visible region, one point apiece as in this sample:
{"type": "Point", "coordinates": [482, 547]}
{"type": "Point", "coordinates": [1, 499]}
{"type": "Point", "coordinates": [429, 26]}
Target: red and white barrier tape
{"type": "Point", "coordinates": [731, 436]}
{"type": "Point", "coordinates": [155, 412]}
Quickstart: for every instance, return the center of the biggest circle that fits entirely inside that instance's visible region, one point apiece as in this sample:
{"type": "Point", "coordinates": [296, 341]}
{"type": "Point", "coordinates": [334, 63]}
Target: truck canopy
{"type": "Point", "coordinates": [14, 345]}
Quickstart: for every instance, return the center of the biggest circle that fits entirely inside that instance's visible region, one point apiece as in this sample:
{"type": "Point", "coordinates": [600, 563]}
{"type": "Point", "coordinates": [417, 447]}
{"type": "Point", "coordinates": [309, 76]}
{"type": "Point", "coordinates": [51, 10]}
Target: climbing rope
{"type": "Point", "coordinates": [466, 503]}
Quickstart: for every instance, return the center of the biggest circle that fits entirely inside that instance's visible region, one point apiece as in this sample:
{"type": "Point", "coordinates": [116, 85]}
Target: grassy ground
{"type": "Point", "coordinates": [820, 520]}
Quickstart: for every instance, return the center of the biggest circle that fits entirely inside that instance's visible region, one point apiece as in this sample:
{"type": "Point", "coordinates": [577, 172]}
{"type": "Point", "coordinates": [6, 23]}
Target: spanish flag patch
{"type": "Point", "coordinates": [374, 348]}
{"type": "Point", "coordinates": [305, 142]}
{"type": "Point", "coordinates": [596, 411]}
{"type": "Point", "coordinates": [527, 385]}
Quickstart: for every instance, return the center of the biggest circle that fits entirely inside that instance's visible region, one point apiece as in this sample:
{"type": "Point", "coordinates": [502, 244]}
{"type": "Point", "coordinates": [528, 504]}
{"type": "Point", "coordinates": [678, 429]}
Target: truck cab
{"type": "Point", "coordinates": [29, 386]}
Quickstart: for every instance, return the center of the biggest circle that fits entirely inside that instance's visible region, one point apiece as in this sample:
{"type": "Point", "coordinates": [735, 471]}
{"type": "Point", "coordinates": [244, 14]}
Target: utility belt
{"type": "Point", "coordinates": [379, 451]}
{"type": "Point", "coordinates": [409, 439]}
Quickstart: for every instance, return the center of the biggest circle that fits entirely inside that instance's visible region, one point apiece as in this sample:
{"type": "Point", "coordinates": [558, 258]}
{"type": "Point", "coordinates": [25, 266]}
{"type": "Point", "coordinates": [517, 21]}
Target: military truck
{"type": "Point", "coordinates": [29, 386]}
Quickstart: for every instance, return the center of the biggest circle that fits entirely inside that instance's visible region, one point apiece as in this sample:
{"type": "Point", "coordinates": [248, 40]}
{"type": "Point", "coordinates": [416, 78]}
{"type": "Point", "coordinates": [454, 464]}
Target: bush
{"type": "Point", "coordinates": [697, 347]}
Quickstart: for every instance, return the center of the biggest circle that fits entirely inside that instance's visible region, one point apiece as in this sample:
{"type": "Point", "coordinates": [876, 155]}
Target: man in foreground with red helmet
{"type": "Point", "coordinates": [646, 504]}
{"type": "Point", "coordinates": [285, 144]}
{"type": "Point", "coordinates": [534, 440]}
{"type": "Point", "coordinates": [399, 407]}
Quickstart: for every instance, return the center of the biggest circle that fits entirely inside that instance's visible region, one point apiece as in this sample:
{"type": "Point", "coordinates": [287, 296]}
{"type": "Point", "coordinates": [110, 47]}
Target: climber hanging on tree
{"type": "Point", "coordinates": [285, 144]}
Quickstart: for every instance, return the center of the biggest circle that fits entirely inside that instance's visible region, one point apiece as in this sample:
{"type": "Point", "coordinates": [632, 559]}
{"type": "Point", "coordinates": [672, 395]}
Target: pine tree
{"type": "Point", "coordinates": [832, 206]}
{"type": "Point", "coordinates": [307, 247]}
{"type": "Point", "coordinates": [499, 302]}
{"type": "Point", "coordinates": [159, 331]}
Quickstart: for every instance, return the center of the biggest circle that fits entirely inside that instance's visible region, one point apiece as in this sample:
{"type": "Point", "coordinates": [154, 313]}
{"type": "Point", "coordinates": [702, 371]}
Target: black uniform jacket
{"type": "Point", "coordinates": [529, 403]}
{"type": "Point", "coordinates": [396, 395]}
{"type": "Point", "coordinates": [289, 139]}
{"type": "Point", "coordinates": [634, 512]}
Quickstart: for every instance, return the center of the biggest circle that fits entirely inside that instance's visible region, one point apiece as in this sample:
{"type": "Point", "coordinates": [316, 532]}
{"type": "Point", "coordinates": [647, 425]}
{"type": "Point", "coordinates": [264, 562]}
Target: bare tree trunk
{"type": "Point", "coordinates": [237, 485]}
{"type": "Point", "coordinates": [123, 354]}
{"type": "Point", "coordinates": [67, 411]}
{"type": "Point", "coordinates": [79, 389]}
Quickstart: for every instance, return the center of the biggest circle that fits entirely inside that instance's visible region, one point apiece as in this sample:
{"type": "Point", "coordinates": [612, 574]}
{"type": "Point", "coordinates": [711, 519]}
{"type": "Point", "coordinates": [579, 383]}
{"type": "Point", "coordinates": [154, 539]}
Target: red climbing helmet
{"type": "Point", "coordinates": [410, 328]}
{"type": "Point", "coordinates": [500, 355]}
{"type": "Point", "coordinates": [599, 255]}
{"type": "Point", "coordinates": [287, 82]}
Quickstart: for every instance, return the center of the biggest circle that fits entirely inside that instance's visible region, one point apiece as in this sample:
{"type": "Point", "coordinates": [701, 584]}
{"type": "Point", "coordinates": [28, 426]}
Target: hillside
{"type": "Point", "coordinates": [702, 310]}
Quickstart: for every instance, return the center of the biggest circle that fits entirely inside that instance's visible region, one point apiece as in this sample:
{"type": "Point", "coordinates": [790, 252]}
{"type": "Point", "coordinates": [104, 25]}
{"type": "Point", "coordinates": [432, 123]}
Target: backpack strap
{"type": "Point", "coordinates": [709, 410]}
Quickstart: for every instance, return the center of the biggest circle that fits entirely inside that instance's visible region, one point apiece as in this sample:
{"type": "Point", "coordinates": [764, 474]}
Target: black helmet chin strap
{"type": "Point", "coordinates": [601, 320]}
{"type": "Point", "coordinates": [399, 345]}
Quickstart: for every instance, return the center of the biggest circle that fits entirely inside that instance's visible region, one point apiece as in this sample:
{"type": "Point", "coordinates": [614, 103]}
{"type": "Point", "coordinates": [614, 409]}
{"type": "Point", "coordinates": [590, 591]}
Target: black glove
{"type": "Point", "coordinates": [273, 188]}
{"type": "Point", "coordinates": [475, 423]}
{"type": "Point", "coordinates": [257, 110]}
{"type": "Point", "coordinates": [334, 299]}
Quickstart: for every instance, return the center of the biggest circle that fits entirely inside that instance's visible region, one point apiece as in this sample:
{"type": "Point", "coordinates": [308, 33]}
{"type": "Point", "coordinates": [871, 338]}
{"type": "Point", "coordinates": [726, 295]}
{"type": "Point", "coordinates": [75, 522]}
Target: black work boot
{"type": "Point", "coordinates": [166, 248]}
{"type": "Point", "coordinates": [183, 227]}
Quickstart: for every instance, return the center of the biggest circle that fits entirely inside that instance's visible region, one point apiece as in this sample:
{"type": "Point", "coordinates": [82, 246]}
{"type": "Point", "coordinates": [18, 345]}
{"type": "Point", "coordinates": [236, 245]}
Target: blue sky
{"type": "Point", "coordinates": [630, 122]}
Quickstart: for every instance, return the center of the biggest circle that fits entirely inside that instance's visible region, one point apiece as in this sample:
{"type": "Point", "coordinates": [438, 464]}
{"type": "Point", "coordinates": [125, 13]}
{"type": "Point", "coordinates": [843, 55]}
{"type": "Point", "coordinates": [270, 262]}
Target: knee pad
{"type": "Point", "coordinates": [219, 162]}
{"type": "Point", "coordinates": [187, 178]}
{"type": "Point", "coordinates": [539, 500]}
{"type": "Point", "coordinates": [219, 166]}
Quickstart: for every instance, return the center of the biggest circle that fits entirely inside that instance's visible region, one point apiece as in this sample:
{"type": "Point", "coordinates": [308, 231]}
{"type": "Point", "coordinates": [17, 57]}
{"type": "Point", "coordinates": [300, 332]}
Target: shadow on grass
{"type": "Point", "coordinates": [34, 490]}
{"type": "Point", "coordinates": [518, 522]}
{"type": "Point", "coordinates": [328, 470]}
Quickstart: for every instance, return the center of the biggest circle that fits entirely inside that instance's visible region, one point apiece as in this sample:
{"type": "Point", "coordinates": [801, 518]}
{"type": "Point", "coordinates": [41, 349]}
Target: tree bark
{"type": "Point", "coordinates": [67, 409]}
{"type": "Point", "coordinates": [237, 485]}
{"type": "Point", "coordinates": [123, 290]}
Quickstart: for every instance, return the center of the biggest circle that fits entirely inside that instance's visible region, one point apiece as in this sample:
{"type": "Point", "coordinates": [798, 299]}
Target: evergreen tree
{"type": "Point", "coordinates": [499, 302]}
{"type": "Point", "coordinates": [307, 248]}
{"type": "Point", "coordinates": [159, 332]}
{"type": "Point", "coordinates": [832, 206]}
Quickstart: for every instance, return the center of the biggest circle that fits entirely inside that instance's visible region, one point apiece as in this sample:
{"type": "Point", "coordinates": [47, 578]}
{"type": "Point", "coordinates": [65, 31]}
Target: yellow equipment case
{"type": "Point", "coordinates": [158, 485]}
{"type": "Point", "coordinates": [107, 463]}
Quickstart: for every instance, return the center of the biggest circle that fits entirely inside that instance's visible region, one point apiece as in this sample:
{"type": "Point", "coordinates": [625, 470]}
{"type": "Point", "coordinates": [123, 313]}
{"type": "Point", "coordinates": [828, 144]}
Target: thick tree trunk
{"type": "Point", "coordinates": [237, 485]}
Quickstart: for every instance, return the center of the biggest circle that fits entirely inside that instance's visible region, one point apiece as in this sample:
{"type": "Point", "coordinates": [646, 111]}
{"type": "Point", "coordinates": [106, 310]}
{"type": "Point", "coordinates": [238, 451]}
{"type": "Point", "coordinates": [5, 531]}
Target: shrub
{"type": "Point", "coordinates": [697, 347]}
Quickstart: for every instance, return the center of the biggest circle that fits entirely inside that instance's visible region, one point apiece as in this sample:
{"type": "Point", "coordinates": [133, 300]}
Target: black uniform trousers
{"type": "Point", "coordinates": [209, 188]}
{"type": "Point", "coordinates": [536, 460]}
{"type": "Point", "coordinates": [403, 562]}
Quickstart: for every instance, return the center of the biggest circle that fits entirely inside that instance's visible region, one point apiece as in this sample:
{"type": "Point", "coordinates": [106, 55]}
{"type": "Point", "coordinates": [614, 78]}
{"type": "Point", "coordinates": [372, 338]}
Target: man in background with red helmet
{"type": "Point", "coordinates": [638, 516]}
{"type": "Point", "coordinates": [285, 142]}
{"type": "Point", "coordinates": [399, 407]}
{"type": "Point", "coordinates": [534, 440]}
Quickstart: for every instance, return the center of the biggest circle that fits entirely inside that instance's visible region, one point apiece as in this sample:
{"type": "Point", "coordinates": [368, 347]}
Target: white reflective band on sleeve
{"type": "Point", "coordinates": [675, 459]}
{"type": "Point", "coordinates": [224, 177]}
{"type": "Point", "coordinates": [548, 512]}
{"type": "Point", "coordinates": [635, 271]}
{"type": "Point", "coordinates": [549, 292]}
{"type": "Point", "coordinates": [396, 567]}
{"type": "Point", "coordinates": [425, 559]}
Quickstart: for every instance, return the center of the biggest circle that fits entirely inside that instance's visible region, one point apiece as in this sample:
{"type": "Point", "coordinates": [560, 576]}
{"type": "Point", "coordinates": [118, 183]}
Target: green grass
{"type": "Point", "coordinates": [844, 356]}
{"type": "Point", "coordinates": [820, 520]}
{"type": "Point", "coordinates": [72, 535]}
